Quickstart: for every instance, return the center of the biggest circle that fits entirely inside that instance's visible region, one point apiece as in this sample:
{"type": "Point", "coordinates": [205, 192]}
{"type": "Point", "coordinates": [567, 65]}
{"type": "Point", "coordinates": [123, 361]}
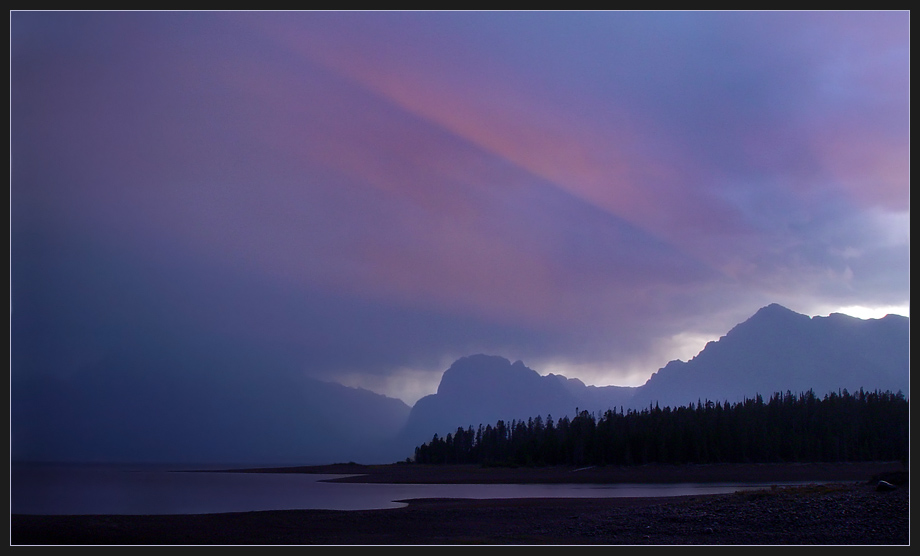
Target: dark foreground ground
{"type": "Point", "coordinates": [848, 511]}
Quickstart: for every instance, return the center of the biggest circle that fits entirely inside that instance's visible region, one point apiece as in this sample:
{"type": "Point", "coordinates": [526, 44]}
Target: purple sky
{"type": "Point", "coordinates": [365, 197]}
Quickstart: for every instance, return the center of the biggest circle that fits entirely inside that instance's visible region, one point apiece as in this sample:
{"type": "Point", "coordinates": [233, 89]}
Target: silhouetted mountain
{"type": "Point", "coordinates": [482, 389]}
{"type": "Point", "coordinates": [778, 350]}
{"type": "Point", "coordinates": [773, 351]}
{"type": "Point", "coordinates": [144, 403]}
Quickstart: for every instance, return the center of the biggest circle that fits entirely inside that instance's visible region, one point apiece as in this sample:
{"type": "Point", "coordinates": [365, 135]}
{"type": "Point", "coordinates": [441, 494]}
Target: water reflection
{"type": "Point", "coordinates": [47, 489]}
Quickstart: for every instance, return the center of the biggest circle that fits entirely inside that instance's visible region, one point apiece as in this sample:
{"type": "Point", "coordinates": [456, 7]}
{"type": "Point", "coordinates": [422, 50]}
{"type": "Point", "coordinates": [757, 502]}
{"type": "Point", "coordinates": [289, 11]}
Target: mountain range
{"type": "Point", "coordinates": [168, 409]}
{"type": "Point", "coordinates": [775, 350]}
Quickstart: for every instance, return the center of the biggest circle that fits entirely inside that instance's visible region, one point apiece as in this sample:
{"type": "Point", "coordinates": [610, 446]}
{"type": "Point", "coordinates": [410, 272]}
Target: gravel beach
{"type": "Point", "coordinates": [843, 507]}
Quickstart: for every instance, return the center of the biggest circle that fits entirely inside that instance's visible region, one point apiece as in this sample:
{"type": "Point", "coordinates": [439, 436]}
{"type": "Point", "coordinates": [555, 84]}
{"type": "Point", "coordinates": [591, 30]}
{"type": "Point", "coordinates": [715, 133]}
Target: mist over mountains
{"type": "Point", "coordinates": [153, 405]}
{"type": "Point", "coordinates": [168, 411]}
{"type": "Point", "coordinates": [773, 351]}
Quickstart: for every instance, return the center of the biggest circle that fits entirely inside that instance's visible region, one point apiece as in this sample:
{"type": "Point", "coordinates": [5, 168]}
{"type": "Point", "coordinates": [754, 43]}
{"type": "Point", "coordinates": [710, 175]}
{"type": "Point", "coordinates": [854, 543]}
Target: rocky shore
{"type": "Point", "coordinates": [844, 512]}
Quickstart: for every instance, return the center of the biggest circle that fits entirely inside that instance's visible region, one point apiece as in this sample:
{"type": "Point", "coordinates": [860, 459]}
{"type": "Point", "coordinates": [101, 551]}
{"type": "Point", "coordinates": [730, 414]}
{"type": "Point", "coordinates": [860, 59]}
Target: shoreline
{"type": "Point", "coordinates": [841, 511]}
{"type": "Point", "coordinates": [409, 473]}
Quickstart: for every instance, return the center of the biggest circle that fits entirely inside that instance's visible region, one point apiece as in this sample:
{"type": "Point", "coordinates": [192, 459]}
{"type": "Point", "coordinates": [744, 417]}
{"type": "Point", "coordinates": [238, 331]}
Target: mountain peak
{"type": "Point", "coordinates": [480, 371]}
{"type": "Point", "coordinates": [773, 309]}
{"type": "Point", "coordinates": [778, 349]}
{"type": "Point", "coordinates": [772, 318]}
{"type": "Point", "coordinates": [482, 389]}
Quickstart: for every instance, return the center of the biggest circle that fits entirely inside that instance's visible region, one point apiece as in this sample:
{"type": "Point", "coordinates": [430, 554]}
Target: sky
{"type": "Point", "coordinates": [364, 197]}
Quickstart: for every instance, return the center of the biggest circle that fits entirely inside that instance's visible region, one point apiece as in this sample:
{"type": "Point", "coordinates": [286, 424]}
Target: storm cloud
{"type": "Point", "coordinates": [365, 197]}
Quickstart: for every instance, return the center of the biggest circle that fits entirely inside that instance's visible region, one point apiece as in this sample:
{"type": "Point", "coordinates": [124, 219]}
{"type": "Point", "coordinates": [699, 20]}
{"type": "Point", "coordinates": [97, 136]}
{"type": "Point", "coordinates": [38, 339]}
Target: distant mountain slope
{"type": "Point", "coordinates": [145, 403]}
{"type": "Point", "coordinates": [778, 350]}
{"type": "Point", "coordinates": [170, 409]}
{"type": "Point", "coordinates": [482, 389]}
{"type": "Point", "coordinates": [773, 351]}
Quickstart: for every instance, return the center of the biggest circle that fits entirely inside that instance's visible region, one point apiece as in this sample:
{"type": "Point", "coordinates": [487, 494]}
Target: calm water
{"type": "Point", "coordinates": [55, 489]}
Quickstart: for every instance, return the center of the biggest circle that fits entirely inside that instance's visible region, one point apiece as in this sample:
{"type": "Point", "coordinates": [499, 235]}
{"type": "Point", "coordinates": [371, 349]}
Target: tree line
{"type": "Point", "coordinates": [840, 427]}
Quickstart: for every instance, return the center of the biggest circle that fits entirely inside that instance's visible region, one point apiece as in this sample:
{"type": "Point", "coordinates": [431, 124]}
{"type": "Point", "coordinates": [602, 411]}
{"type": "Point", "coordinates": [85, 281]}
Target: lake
{"type": "Point", "coordinates": [146, 490]}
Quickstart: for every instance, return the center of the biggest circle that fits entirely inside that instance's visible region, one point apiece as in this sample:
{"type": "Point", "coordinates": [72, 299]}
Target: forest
{"type": "Point", "coordinates": [840, 427]}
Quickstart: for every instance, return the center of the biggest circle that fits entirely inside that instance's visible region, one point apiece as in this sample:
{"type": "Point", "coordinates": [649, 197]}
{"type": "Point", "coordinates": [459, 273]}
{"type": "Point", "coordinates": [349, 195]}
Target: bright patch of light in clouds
{"type": "Point", "coordinates": [408, 385]}
{"type": "Point", "coordinates": [593, 374]}
{"type": "Point", "coordinates": [876, 312]}
{"type": "Point", "coordinates": [895, 227]}
{"type": "Point", "coordinates": [687, 345]}
{"type": "Point", "coordinates": [636, 372]}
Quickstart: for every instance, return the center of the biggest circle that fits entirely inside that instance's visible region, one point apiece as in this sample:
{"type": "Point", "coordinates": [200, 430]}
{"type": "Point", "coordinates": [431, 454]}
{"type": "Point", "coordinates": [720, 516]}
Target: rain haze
{"type": "Point", "coordinates": [228, 198]}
